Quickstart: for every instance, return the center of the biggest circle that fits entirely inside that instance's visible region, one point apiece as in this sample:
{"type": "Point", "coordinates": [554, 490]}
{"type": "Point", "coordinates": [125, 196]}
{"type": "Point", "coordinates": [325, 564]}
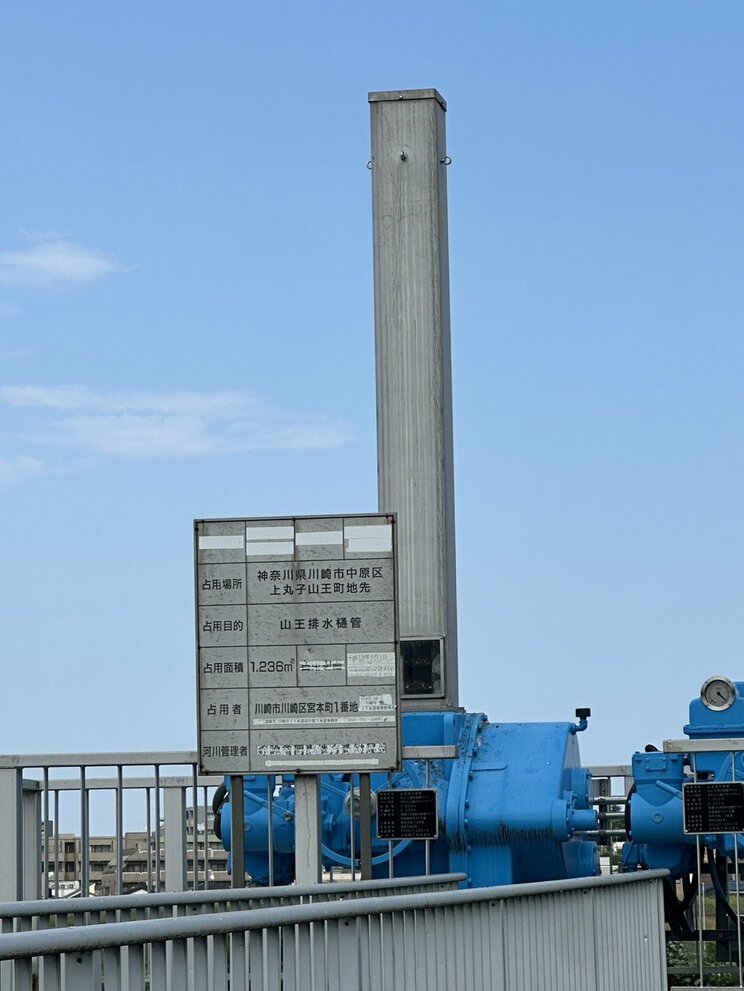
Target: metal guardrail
{"type": "Point", "coordinates": [53, 913]}
{"type": "Point", "coordinates": [31, 866]}
{"type": "Point", "coordinates": [604, 933]}
{"type": "Point", "coordinates": [30, 805]}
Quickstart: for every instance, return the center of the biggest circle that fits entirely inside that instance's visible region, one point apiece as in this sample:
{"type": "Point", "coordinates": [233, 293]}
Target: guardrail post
{"type": "Point", "coordinates": [174, 830]}
{"type": "Point", "coordinates": [11, 871]}
{"type": "Point", "coordinates": [31, 841]}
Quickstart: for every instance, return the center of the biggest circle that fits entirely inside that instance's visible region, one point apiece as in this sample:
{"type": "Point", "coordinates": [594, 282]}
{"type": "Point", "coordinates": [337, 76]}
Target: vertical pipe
{"type": "Point", "coordinates": [207, 844]}
{"type": "Point", "coordinates": [738, 881]}
{"type": "Point", "coordinates": [119, 829]}
{"type": "Point", "coordinates": [427, 851]}
{"type": "Point", "coordinates": [698, 856]}
{"type": "Point", "coordinates": [56, 843]}
{"type": "Point", "coordinates": [365, 827]}
{"type": "Point", "coordinates": [157, 828]}
{"type": "Point", "coordinates": [45, 863]}
{"type": "Point", "coordinates": [352, 837]}
{"type": "Point", "coordinates": [391, 869]}
{"type": "Point", "coordinates": [84, 840]}
{"type": "Point", "coordinates": [270, 819]}
{"type": "Point", "coordinates": [148, 830]}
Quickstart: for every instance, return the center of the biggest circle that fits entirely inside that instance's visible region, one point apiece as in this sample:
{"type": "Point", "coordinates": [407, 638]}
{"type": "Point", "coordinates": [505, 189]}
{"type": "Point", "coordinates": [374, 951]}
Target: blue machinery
{"type": "Point", "coordinates": [654, 818]}
{"type": "Point", "coordinates": [514, 805]}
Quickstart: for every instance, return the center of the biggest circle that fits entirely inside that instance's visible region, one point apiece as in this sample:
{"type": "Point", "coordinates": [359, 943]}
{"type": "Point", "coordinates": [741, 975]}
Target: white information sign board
{"type": "Point", "coordinates": [297, 644]}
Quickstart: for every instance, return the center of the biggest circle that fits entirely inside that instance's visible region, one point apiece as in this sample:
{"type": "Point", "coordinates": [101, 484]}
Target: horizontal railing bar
{"type": "Point", "coordinates": [445, 752]}
{"type": "Point", "coordinates": [81, 938]}
{"type": "Point", "coordinates": [168, 757]}
{"type": "Point", "coordinates": [111, 903]}
{"type": "Point", "coordinates": [161, 758]}
{"type": "Point", "coordinates": [721, 745]}
{"type": "Point", "coordinates": [93, 784]}
{"type": "Point", "coordinates": [610, 770]}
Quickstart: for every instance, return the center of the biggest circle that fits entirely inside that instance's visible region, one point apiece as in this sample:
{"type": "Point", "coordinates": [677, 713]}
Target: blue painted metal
{"type": "Point", "coordinates": [655, 821]}
{"type": "Point", "coordinates": [512, 807]}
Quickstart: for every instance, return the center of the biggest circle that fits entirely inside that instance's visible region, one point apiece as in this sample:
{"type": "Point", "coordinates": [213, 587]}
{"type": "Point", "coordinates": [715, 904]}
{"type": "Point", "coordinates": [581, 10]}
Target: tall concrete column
{"type": "Point", "coordinates": [414, 381]}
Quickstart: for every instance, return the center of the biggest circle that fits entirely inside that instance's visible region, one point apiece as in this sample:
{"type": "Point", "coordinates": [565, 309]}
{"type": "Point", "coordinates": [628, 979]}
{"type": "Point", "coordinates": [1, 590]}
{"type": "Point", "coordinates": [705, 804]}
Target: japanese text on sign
{"type": "Point", "coordinates": [297, 644]}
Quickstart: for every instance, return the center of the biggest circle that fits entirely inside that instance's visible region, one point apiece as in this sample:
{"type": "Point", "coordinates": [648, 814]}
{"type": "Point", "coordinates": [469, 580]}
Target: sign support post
{"type": "Point", "coordinates": [308, 864]}
{"type": "Point", "coordinates": [237, 835]}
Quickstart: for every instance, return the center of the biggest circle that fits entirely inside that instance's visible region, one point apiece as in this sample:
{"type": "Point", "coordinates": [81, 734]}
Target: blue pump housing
{"type": "Point", "coordinates": [512, 807]}
{"type": "Point", "coordinates": [654, 820]}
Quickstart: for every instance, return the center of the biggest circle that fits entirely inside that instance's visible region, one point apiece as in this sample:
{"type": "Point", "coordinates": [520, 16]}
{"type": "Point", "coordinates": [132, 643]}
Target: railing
{"type": "Point", "coordinates": [600, 933]}
{"type": "Point", "coordinates": [31, 866]}
{"type": "Point", "coordinates": [53, 913]}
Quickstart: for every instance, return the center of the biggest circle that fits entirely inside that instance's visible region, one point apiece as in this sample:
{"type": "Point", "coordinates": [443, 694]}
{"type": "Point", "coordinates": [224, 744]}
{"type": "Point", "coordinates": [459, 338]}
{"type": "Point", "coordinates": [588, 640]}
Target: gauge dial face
{"type": "Point", "coordinates": [718, 693]}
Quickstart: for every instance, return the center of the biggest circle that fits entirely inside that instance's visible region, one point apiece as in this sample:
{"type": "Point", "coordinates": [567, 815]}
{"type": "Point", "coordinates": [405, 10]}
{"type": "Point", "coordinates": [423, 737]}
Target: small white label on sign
{"type": "Point", "coordinates": [269, 533]}
{"type": "Point", "coordinates": [221, 542]}
{"type": "Point", "coordinates": [371, 664]}
{"type": "Point", "coordinates": [269, 548]}
{"type": "Point", "coordinates": [267, 541]}
{"type": "Point", "coordinates": [321, 664]}
{"type": "Point", "coordinates": [369, 539]}
{"type": "Point", "coordinates": [376, 703]}
{"type": "Point", "coordinates": [311, 537]}
{"type": "Point", "coordinates": [373, 715]}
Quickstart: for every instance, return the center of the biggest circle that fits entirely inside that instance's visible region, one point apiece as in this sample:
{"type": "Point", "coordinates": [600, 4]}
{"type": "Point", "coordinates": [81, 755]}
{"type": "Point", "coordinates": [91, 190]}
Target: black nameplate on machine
{"type": "Point", "coordinates": [407, 814]}
{"type": "Point", "coordinates": [713, 807]}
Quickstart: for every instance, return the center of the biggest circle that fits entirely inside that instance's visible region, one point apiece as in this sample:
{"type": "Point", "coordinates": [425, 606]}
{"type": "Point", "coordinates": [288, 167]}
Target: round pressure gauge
{"type": "Point", "coordinates": [718, 693]}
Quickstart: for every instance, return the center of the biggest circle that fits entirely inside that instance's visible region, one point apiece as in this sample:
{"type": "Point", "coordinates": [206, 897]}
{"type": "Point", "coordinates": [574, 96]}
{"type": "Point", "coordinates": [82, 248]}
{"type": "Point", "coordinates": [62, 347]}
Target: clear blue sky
{"type": "Point", "coordinates": [186, 330]}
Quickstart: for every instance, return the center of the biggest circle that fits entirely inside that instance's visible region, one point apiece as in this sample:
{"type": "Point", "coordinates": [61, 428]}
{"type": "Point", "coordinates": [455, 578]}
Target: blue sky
{"type": "Point", "coordinates": [186, 330]}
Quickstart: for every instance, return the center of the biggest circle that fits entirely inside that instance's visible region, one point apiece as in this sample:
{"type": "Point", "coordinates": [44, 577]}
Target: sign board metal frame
{"type": "Point", "coordinates": [297, 644]}
{"type": "Point", "coordinates": [713, 807]}
{"type": "Point", "coordinates": [411, 814]}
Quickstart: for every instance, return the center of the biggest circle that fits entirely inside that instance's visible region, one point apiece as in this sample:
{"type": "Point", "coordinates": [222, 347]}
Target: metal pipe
{"type": "Point", "coordinates": [365, 827]}
{"type": "Point", "coordinates": [148, 830]}
{"type": "Point", "coordinates": [119, 830]}
{"type": "Point", "coordinates": [224, 896]}
{"type": "Point", "coordinates": [157, 827]}
{"type": "Point", "coordinates": [352, 852]}
{"type": "Point", "coordinates": [207, 844]}
{"type": "Point", "coordinates": [391, 868]}
{"type": "Point", "coordinates": [84, 837]}
{"type": "Point", "coordinates": [270, 814]}
{"type": "Point", "coordinates": [427, 846]}
{"type": "Point", "coordinates": [195, 823]}
{"type": "Point", "coordinates": [56, 844]}
{"type": "Point", "coordinates": [45, 862]}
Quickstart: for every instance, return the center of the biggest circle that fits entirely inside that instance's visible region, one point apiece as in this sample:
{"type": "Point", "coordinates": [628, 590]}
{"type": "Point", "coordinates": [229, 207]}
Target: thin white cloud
{"type": "Point", "coordinates": [49, 260]}
{"type": "Point", "coordinates": [19, 468]}
{"type": "Point", "coordinates": [68, 398]}
{"type": "Point", "coordinates": [150, 425]}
